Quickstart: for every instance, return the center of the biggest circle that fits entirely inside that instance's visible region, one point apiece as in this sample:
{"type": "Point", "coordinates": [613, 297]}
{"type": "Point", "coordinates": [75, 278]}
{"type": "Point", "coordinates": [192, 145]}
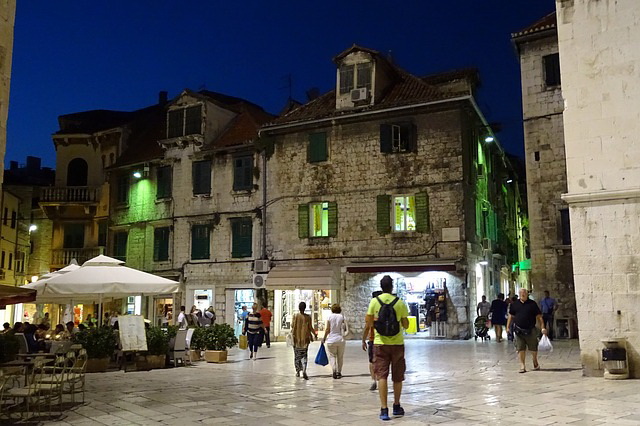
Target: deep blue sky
{"type": "Point", "coordinates": [77, 55]}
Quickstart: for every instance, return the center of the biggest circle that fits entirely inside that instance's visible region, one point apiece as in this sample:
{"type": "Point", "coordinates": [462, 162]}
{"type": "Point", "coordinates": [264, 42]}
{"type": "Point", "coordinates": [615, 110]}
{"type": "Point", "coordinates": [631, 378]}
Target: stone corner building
{"type": "Point", "coordinates": [390, 173]}
{"type": "Point", "coordinates": [600, 62]}
{"type": "Point", "coordinates": [550, 234]}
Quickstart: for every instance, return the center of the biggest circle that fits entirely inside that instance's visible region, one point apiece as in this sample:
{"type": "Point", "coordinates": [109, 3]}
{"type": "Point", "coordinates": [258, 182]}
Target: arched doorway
{"type": "Point", "coordinates": [77, 172]}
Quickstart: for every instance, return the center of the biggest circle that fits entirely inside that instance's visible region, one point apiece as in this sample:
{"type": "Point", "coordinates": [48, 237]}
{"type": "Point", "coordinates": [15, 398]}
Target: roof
{"type": "Point", "coordinates": [146, 130]}
{"type": "Point", "coordinates": [546, 23]}
{"type": "Point", "coordinates": [92, 121]}
{"type": "Point", "coordinates": [405, 89]}
{"type": "Point", "coordinates": [243, 128]}
{"type": "Point", "coordinates": [470, 74]}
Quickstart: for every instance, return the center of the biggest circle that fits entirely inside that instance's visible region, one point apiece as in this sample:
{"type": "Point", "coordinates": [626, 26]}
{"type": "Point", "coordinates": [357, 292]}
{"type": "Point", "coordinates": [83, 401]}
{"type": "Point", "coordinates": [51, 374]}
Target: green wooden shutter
{"type": "Point", "coordinates": [163, 175]}
{"type": "Point", "coordinates": [317, 147]}
{"type": "Point", "coordinates": [303, 221]}
{"type": "Point", "coordinates": [422, 212]}
{"type": "Point", "coordinates": [200, 242]}
{"type": "Point", "coordinates": [386, 143]}
{"type": "Point", "coordinates": [333, 219]}
{"type": "Point", "coordinates": [120, 245]}
{"type": "Point", "coordinates": [384, 214]}
{"type": "Point", "coordinates": [201, 177]}
{"type": "Point", "coordinates": [241, 237]}
{"type": "Point", "coordinates": [161, 244]}
{"type": "Point", "coordinates": [412, 136]}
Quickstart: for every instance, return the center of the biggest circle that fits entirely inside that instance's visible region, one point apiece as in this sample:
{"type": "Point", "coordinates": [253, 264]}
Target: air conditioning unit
{"type": "Point", "coordinates": [261, 266]}
{"type": "Point", "coordinates": [487, 244]}
{"type": "Point", "coordinates": [359, 94]}
{"type": "Point", "coordinates": [259, 280]}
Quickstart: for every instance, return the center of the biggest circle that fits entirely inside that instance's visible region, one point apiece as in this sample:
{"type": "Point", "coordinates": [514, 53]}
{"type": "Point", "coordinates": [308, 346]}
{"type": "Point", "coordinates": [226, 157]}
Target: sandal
{"type": "Point", "coordinates": [536, 367]}
{"type": "Point", "coordinates": [522, 370]}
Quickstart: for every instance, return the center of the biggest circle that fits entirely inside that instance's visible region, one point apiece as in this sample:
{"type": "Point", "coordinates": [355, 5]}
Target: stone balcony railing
{"type": "Point", "coordinates": [70, 194]}
{"type": "Point", "coordinates": [62, 257]}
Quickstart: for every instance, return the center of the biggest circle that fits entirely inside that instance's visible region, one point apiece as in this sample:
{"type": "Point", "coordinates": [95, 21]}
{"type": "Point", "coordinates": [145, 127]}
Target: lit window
{"type": "Point", "coordinates": [404, 213]}
{"type": "Point", "coordinates": [319, 219]}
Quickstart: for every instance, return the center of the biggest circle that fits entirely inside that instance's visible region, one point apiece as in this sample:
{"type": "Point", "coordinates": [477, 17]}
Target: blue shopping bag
{"type": "Point", "coordinates": [321, 358]}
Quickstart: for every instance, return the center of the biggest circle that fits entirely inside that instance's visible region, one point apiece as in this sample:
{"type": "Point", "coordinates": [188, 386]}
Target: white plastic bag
{"type": "Point", "coordinates": [289, 340]}
{"type": "Point", "coordinates": [545, 344]}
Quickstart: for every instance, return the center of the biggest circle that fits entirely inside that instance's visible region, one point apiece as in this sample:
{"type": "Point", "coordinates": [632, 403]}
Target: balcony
{"type": "Point", "coordinates": [62, 257]}
{"type": "Point", "coordinates": [70, 195]}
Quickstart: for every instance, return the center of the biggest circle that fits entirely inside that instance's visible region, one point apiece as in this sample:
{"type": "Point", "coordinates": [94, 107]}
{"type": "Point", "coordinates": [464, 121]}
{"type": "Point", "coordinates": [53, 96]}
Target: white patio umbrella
{"type": "Point", "coordinates": [39, 285]}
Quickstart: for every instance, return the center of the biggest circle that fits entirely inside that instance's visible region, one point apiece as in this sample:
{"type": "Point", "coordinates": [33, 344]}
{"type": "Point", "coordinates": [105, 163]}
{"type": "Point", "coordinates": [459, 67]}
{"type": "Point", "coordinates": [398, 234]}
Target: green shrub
{"type": "Point", "coordinates": [198, 338]}
{"type": "Point", "coordinates": [218, 337]}
{"type": "Point", "coordinates": [157, 341]}
{"type": "Point", "coordinates": [100, 342]}
{"type": "Point", "coordinates": [9, 347]}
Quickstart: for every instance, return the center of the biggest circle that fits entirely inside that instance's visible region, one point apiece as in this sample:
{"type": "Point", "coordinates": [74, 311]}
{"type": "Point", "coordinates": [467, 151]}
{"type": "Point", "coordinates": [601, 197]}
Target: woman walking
{"type": "Point", "coordinates": [254, 329]}
{"type": "Point", "coordinates": [334, 337]}
{"type": "Point", "coordinates": [303, 334]}
{"type": "Point", "coordinates": [498, 313]}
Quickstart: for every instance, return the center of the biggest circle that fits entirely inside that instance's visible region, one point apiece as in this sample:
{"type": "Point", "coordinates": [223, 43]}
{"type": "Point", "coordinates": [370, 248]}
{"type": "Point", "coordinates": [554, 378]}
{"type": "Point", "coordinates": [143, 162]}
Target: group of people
{"type": "Point", "coordinates": [196, 318]}
{"type": "Point", "coordinates": [37, 336]}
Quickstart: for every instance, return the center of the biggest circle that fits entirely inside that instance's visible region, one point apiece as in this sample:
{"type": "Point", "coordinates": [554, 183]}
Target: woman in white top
{"type": "Point", "coordinates": [334, 338]}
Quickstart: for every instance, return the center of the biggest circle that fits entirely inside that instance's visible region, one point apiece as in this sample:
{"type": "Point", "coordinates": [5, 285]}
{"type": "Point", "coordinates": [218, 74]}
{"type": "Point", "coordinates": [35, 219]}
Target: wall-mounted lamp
{"type": "Point", "coordinates": [509, 180]}
{"type": "Point", "coordinates": [33, 227]}
{"type": "Point", "coordinates": [489, 139]}
{"type": "Point", "coordinates": [137, 174]}
{"type": "Point", "coordinates": [483, 263]}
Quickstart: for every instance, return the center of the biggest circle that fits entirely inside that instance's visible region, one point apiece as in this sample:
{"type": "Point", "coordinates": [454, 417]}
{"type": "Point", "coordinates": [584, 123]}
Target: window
{"type": "Point", "coordinates": [201, 173]}
{"type": "Point", "coordinates": [73, 235]}
{"type": "Point", "coordinates": [184, 121]}
{"type": "Point", "coordinates": [10, 264]}
{"type": "Point", "coordinates": [565, 227]}
{"type": "Point", "coordinates": [243, 173]}
{"type": "Point", "coordinates": [77, 172]}
{"type": "Point", "coordinates": [403, 213]}
{"type": "Point", "coordinates": [241, 237]}
{"type": "Point", "coordinates": [317, 151]}
{"type": "Point", "coordinates": [398, 137]}
{"type": "Point", "coordinates": [102, 233]}
{"type": "Point", "coordinates": [346, 78]}
{"type": "Point", "coordinates": [5, 217]}
{"type": "Point", "coordinates": [120, 245]}
{"type": "Point", "coordinates": [363, 75]}
{"type": "Point", "coordinates": [122, 189]}
{"type": "Point", "coordinates": [2, 258]}
{"type": "Point", "coordinates": [20, 256]}
{"type": "Point", "coordinates": [163, 175]}
{"type": "Point", "coordinates": [551, 69]}
{"type": "Point", "coordinates": [200, 247]}
{"type": "Point", "coordinates": [14, 219]}
{"type": "Point", "coordinates": [317, 220]}
{"type": "Point", "coordinates": [161, 244]}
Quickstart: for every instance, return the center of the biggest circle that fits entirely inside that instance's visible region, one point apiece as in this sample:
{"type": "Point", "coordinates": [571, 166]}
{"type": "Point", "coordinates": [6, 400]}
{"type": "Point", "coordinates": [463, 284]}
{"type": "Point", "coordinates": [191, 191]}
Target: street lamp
{"type": "Point", "coordinates": [33, 227]}
{"type": "Point", "coordinates": [137, 174]}
{"type": "Point", "coordinates": [489, 139]}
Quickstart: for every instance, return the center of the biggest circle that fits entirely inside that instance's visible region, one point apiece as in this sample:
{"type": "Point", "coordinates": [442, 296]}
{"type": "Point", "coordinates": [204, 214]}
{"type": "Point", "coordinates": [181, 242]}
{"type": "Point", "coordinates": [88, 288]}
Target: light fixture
{"type": "Point", "coordinates": [34, 278]}
{"type": "Point", "coordinates": [33, 227]}
{"type": "Point", "coordinates": [483, 263]}
{"type": "Point", "coordinates": [489, 139]}
{"type": "Point", "coordinates": [509, 180]}
{"type": "Point", "coordinates": [137, 174]}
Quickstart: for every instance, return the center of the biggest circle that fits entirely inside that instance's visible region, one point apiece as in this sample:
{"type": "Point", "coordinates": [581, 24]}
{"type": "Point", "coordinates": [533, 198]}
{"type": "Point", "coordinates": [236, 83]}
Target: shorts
{"type": "Point", "coordinates": [370, 351]}
{"type": "Point", "coordinates": [386, 356]}
{"type": "Point", "coordinates": [529, 341]}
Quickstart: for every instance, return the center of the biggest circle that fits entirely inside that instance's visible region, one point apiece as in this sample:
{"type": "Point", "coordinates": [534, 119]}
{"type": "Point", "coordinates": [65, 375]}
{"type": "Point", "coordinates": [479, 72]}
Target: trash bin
{"type": "Point", "coordinates": [413, 325]}
{"type": "Point", "coordinates": [615, 359]}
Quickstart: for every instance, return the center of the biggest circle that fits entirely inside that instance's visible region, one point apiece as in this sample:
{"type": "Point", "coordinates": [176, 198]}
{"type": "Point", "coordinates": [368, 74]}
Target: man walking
{"type": "Point", "coordinates": [548, 306]}
{"type": "Point", "coordinates": [524, 314]}
{"type": "Point", "coordinates": [388, 315]}
{"type": "Point", "coordinates": [266, 315]}
{"type": "Point", "coordinates": [483, 307]}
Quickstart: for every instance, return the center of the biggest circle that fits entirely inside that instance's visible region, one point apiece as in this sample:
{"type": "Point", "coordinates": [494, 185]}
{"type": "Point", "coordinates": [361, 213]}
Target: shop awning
{"type": "Point", "coordinates": [309, 277]}
{"type": "Point", "coordinates": [431, 266]}
{"type": "Point", "coordinates": [10, 295]}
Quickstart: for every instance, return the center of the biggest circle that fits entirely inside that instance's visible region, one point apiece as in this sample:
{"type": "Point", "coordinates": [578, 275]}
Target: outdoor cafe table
{"type": "Point", "coordinates": [27, 365]}
{"type": "Point", "coordinates": [38, 354]}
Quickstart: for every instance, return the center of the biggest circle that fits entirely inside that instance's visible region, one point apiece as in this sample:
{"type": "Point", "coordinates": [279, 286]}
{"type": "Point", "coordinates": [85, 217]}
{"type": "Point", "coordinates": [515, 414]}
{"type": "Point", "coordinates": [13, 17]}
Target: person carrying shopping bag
{"type": "Point", "coordinates": [334, 338]}
{"type": "Point", "coordinates": [303, 334]}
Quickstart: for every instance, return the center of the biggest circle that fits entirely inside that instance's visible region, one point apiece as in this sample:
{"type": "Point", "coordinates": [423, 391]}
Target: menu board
{"type": "Point", "coordinates": [132, 333]}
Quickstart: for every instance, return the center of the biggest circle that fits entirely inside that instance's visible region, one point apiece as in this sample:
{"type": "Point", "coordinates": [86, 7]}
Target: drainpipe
{"type": "Point", "coordinates": [264, 204]}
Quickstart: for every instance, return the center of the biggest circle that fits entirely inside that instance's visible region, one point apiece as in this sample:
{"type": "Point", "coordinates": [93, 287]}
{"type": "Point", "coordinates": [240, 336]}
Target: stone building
{"type": "Point", "coordinates": [600, 61]}
{"type": "Point", "coordinates": [542, 105]}
{"type": "Point", "coordinates": [390, 174]}
{"type": "Point", "coordinates": [7, 18]}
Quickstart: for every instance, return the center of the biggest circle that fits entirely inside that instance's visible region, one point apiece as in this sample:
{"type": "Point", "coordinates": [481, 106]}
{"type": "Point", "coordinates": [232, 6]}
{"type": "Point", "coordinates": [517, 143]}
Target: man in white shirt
{"type": "Point", "coordinates": [483, 307]}
{"type": "Point", "coordinates": [182, 318]}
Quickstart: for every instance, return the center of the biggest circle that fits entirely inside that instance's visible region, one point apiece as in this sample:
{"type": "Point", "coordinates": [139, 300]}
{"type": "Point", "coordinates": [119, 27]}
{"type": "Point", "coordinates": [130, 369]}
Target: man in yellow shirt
{"type": "Point", "coordinates": [388, 345]}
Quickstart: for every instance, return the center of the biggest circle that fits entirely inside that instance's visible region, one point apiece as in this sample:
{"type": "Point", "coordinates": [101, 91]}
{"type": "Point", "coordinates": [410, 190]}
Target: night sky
{"type": "Point", "coordinates": [77, 55]}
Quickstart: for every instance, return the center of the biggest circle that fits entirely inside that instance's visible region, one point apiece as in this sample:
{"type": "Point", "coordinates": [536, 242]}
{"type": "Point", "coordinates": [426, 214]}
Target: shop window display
{"type": "Point", "coordinates": [286, 306]}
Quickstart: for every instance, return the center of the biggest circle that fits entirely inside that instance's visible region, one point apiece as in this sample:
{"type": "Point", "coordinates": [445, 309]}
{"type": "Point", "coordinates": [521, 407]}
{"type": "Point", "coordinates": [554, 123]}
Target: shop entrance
{"type": "Point", "coordinates": [235, 300]}
{"type": "Point", "coordinates": [286, 304]}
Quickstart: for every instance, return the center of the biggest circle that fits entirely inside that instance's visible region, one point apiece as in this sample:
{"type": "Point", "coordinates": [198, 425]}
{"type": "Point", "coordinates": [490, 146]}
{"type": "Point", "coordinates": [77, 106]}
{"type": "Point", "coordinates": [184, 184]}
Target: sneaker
{"type": "Point", "coordinates": [384, 414]}
{"type": "Point", "coordinates": [339, 376]}
{"type": "Point", "coordinates": [398, 410]}
{"type": "Point", "coordinates": [335, 375]}
{"type": "Point", "coordinates": [304, 376]}
{"type": "Point", "coordinates": [374, 386]}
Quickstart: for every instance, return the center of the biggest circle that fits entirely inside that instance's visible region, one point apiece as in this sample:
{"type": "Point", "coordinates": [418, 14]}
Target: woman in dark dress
{"type": "Point", "coordinates": [498, 315]}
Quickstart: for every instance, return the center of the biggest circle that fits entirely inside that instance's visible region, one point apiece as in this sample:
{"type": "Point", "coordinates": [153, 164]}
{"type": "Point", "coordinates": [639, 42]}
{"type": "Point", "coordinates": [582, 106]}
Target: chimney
{"type": "Point", "coordinates": [13, 165]}
{"type": "Point", "coordinates": [163, 96]}
{"type": "Point", "coordinates": [33, 163]}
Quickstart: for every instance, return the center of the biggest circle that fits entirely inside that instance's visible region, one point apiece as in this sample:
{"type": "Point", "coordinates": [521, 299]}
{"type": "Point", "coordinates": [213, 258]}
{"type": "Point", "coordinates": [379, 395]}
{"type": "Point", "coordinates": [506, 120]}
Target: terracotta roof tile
{"type": "Point", "coordinates": [243, 128]}
{"type": "Point", "coordinates": [542, 24]}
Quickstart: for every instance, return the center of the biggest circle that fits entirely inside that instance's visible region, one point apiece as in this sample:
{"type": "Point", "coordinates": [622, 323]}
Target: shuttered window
{"type": "Point", "coordinates": [201, 177]}
{"type": "Point", "coordinates": [200, 243]}
{"type": "Point", "coordinates": [364, 75]}
{"type": "Point", "coordinates": [317, 151]}
{"type": "Point", "coordinates": [318, 220]}
{"type": "Point", "coordinates": [243, 173]}
{"type": "Point", "coordinates": [73, 235]}
{"type": "Point", "coordinates": [161, 244]}
{"type": "Point", "coordinates": [102, 233]}
{"type": "Point", "coordinates": [398, 137]}
{"type": "Point", "coordinates": [175, 123]}
{"type": "Point", "coordinates": [551, 69]}
{"type": "Point", "coordinates": [402, 213]}
{"type": "Point", "coordinates": [163, 177]}
{"type": "Point", "coordinates": [120, 245]}
{"type": "Point", "coordinates": [565, 226]}
{"type": "Point", "coordinates": [122, 189]}
{"type": "Point", "coordinates": [241, 237]}
{"type": "Point", "coordinates": [184, 121]}
{"type": "Point", "coordinates": [346, 78]}
{"type": "Point", "coordinates": [422, 212]}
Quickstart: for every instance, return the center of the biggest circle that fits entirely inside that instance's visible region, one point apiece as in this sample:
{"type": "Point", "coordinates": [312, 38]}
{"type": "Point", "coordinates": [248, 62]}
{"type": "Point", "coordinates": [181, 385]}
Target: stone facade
{"type": "Point", "coordinates": [542, 104]}
{"type": "Point", "coordinates": [7, 18]}
{"type": "Point", "coordinates": [600, 56]}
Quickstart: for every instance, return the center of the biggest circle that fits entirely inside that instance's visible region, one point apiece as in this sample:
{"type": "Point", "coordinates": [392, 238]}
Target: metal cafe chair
{"type": "Point", "coordinates": [30, 392]}
{"type": "Point", "coordinates": [76, 374]}
{"type": "Point", "coordinates": [52, 380]}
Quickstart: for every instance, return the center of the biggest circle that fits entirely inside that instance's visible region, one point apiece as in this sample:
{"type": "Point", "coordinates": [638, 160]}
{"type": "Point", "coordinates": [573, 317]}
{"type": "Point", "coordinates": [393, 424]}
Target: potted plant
{"type": "Point", "coordinates": [157, 348]}
{"type": "Point", "coordinates": [99, 342]}
{"type": "Point", "coordinates": [198, 343]}
{"type": "Point", "coordinates": [9, 347]}
{"type": "Point", "coordinates": [217, 339]}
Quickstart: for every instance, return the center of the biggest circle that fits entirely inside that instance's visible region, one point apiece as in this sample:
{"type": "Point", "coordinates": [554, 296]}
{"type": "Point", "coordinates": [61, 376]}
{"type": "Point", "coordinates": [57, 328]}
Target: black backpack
{"type": "Point", "coordinates": [387, 323]}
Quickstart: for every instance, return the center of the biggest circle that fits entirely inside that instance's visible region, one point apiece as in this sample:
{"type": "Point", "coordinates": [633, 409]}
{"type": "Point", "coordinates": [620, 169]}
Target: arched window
{"type": "Point", "coordinates": [77, 172]}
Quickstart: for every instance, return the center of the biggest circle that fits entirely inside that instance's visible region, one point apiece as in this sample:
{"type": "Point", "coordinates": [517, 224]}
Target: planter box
{"type": "Point", "coordinates": [196, 355]}
{"type": "Point", "coordinates": [215, 356]}
{"type": "Point", "coordinates": [97, 365]}
{"type": "Point", "coordinates": [148, 362]}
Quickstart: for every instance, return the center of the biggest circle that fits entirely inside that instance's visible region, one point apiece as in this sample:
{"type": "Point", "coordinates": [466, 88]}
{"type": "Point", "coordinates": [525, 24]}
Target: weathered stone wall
{"type": "Point", "coordinates": [551, 267]}
{"type": "Point", "coordinates": [600, 58]}
{"type": "Point", "coordinates": [7, 17]}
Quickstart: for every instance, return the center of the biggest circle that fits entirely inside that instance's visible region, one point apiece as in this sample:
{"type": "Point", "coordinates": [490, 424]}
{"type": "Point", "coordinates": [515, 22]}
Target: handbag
{"type": "Point", "coordinates": [289, 340]}
{"type": "Point", "coordinates": [321, 358]}
{"type": "Point", "coordinates": [242, 342]}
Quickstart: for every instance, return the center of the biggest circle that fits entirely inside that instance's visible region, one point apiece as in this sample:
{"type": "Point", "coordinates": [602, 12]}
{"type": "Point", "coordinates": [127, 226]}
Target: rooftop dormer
{"type": "Point", "coordinates": [361, 77]}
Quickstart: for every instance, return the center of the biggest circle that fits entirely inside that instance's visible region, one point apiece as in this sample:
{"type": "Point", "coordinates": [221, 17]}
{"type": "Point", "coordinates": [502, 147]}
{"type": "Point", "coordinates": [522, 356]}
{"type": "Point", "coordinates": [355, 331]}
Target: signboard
{"type": "Point", "coordinates": [132, 333]}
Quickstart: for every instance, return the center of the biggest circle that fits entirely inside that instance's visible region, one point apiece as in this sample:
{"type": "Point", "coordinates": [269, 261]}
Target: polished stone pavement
{"type": "Point", "coordinates": [448, 382]}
